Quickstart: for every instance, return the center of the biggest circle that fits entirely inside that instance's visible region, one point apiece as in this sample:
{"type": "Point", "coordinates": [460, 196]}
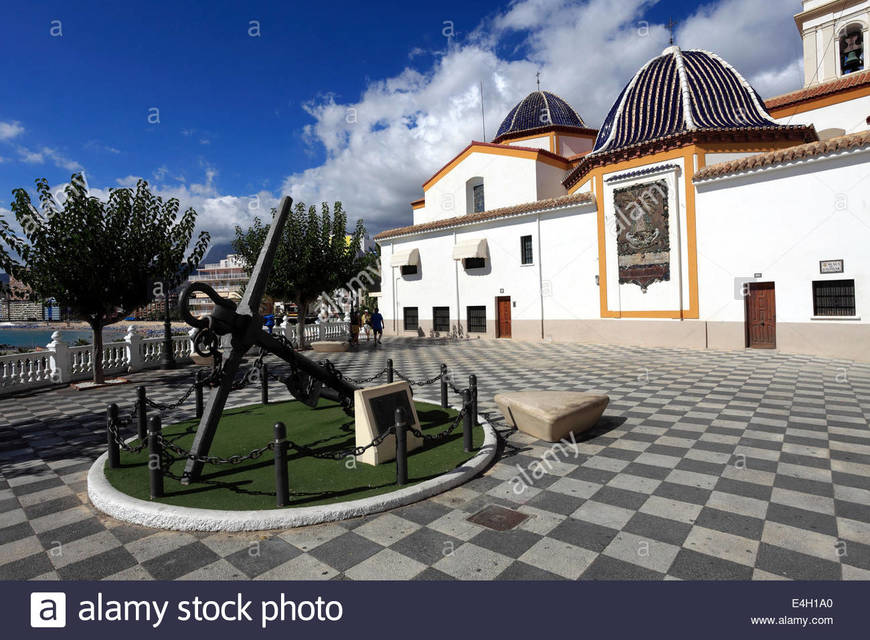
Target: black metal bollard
{"type": "Point", "coordinates": [472, 386]}
{"type": "Point", "coordinates": [111, 441]}
{"type": "Point", "coordinates": [197, 391]}
{"type": "Point", "coordinates": [155, 457]}
{"type": "Point", "coordinates": [467, 422]}
{"type": "Point", "coordinates": [443, 385]}
{"type": "Point", "coordinates": [264, 383]}
{"type": "Point", "coordinates": [143, 413]}
{"type": "Point", "coordinates": [282, 478]}
{"type": "Point", "coordinates": [401, 447]}
{"type": "Point", "coordinates": [390, 370]}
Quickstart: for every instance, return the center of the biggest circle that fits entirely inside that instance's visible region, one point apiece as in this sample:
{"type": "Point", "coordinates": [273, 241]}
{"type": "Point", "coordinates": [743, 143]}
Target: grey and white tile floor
{"type": "Point", "coordinates": [709, 465]}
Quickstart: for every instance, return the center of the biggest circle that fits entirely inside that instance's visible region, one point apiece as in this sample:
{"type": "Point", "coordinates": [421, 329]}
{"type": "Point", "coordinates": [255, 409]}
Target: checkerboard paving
{"type": "Point", "coordinates": [707, 465]}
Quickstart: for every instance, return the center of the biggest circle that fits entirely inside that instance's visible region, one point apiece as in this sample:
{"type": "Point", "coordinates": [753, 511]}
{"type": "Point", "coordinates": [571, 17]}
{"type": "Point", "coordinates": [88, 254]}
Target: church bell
{"type": "Point", "coordinates": [851, 62]}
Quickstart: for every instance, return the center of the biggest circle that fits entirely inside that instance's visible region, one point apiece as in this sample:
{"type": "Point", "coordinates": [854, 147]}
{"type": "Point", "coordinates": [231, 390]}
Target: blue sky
{"type": "Point", "coordinates": [244, 119]}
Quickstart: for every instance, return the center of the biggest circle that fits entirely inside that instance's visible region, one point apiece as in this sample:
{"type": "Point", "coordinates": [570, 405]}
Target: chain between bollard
{"type": "Point", "coordinates": [114, 430]}
{"type": "Point", "coordinates": [419, 383]}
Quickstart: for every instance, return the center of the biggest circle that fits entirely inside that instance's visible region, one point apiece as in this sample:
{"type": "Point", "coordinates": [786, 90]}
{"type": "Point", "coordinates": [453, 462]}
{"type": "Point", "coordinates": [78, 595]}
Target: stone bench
{"type": "Point", "coordinates": [551, 415]}
{"type": "Point", "coordinates": [329, 346]}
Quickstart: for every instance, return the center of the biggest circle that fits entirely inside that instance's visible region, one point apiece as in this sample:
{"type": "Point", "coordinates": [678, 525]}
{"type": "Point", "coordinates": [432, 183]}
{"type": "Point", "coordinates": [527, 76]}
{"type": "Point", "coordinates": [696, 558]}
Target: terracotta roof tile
{"type": "Point", "coordinates": [782, 156]}
{"type": "Point", "coordinates": [834, 86]}
{"type": "Point", "coordinates": [504, 212]}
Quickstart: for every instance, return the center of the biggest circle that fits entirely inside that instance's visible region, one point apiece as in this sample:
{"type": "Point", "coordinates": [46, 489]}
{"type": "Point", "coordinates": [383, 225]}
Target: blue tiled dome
{"type": "Point", "coordinates": [538, 110]}
{"type": "Point", "coordinates": [681, 91]}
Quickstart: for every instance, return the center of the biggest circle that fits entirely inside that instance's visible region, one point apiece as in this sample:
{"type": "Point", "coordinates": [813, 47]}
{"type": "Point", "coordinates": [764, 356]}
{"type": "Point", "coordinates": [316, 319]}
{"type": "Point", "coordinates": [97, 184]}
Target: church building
{"type": "Point", "coordinates": [698, 215]}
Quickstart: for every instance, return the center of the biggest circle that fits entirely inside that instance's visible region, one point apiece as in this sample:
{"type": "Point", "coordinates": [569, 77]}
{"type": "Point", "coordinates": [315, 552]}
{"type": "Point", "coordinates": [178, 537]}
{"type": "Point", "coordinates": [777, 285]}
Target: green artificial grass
{"type": "Point", "coordinates": [313, 481]}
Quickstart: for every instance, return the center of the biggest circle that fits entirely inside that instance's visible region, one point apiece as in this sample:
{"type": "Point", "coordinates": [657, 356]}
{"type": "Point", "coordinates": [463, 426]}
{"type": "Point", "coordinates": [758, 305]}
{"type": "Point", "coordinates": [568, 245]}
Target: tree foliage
{"type": "Point", "coordinates": [100, 259]}
{"type": "Point", "coordinates": [314, 255]}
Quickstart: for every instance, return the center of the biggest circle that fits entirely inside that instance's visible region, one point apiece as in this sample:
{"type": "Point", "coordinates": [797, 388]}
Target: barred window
{"type": "Point", "coordinates": [477, 319]}
{"type": "Point", "coordinates": [411, 318]}
{"type": "Point", "coordinates": [409, 269]}
{"type": "Point", "coordinates": [441, 318]}
{"type": "Point", "coordinates": [526, 255]}
{"type": "Point", "coordinates": [834, 298]}
{"type": "Point", "coordinates": [475, 263]}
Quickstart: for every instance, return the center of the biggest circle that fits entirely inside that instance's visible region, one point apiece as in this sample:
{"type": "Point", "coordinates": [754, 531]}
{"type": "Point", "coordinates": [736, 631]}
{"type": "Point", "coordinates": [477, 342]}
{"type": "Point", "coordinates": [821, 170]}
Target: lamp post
{"type": "Point", "coordinates": [167, 358]}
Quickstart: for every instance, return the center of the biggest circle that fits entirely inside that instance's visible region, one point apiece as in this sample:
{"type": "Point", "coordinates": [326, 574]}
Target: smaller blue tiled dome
{"type": "Point", "coordinates": [538, 111]}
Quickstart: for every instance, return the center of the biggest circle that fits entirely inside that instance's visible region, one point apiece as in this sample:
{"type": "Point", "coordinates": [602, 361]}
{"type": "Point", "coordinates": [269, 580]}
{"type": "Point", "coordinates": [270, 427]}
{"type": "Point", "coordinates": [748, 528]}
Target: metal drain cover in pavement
{"type": "Point", "coordinates": [498, 518]}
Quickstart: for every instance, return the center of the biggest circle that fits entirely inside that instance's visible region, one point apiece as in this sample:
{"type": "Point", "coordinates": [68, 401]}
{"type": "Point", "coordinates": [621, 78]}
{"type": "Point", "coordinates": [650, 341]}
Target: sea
{"type": "Point", "coordinates": [32, 337]}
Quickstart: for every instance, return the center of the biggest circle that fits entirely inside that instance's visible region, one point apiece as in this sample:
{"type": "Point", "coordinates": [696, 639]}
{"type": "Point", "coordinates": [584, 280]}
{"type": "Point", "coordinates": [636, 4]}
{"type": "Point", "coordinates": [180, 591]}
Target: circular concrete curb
{"type": "Point", "coordinates": [119, 505]}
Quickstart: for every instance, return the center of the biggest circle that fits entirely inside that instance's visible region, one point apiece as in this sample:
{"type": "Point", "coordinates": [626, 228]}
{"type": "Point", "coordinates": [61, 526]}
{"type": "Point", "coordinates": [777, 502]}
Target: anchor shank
{"type": "Point", "coordinates": [208, 425]}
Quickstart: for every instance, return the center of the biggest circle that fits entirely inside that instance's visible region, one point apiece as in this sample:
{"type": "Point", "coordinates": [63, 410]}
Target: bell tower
{"type": "Point", "coordinates": [835, 38]}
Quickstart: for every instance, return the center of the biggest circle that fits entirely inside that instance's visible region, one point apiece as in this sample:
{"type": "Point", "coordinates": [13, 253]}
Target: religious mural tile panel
{"type": "Point", "coordinates": [643, 238]}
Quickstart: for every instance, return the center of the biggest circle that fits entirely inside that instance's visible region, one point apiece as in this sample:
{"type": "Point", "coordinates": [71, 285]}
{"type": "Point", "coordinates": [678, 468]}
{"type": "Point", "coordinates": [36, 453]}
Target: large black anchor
{"type": "Point", "coordinates": [308, 380]}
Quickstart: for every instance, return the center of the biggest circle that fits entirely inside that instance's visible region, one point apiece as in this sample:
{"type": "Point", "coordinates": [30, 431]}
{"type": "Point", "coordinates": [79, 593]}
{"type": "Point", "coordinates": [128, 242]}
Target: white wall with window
{"type": "Point", "coordinates": [779, 225]}
{"type": "Point", "coordinates": [832, 30]}
{"type": "Point", "coordinates": [500, 180]}
{"type": "Point", "coordinates": [564, 261]}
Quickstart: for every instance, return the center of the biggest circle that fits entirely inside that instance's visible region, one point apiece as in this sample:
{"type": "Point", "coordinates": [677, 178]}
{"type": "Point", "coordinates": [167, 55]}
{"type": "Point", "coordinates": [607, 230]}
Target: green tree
{"type": "Point", "coordinates": [100, 259]}
{"type": "Point", "coordinates": [315, 255]}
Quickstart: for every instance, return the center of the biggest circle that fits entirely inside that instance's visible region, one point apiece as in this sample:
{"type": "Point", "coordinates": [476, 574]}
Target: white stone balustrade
{"type": "Point", "coordinates": [59, 363]}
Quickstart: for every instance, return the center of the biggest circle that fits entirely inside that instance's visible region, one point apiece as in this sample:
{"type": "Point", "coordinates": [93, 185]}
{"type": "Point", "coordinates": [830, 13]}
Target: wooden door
{"type": "Point", "coordinates": [503, 325]}
{"type": "Point", "coordinates": [761, 316]}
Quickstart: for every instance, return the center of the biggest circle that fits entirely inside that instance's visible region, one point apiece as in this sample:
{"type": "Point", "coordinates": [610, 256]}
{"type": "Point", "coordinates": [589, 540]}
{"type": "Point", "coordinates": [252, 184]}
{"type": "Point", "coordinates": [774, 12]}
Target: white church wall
{"type": "Point", "coordinates": [572, 145]}
{"type": "Point", "coordinates": [718, 158]}
{"type": "Point", "coordinates": [780, 223]}
{"type": "Point", "coordinates": [569, 269]}
{"type": "Point", "coordinates": [507, 180]}
{"type": "Point", "coordinates": [549, 181]}
{"type": "Point", "coordinates": [539, 142]}
{"type": "Point", "coordinates": [569, 248]}
{"type": "Point", "coordinates": [850, 116]}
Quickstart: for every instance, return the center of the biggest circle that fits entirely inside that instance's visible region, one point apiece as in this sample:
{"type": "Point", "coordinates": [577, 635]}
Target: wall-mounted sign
{"type": "Point", "coordinates": [756, 275]}
{"type": "Point", "coordinates": [830, 266]}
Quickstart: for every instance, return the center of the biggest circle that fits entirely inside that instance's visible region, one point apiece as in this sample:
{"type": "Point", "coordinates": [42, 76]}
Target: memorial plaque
{"type": "Point", "coordinates": [384, 409]}
{"type": "Point", "coordinates": [830, 266]}
{"type": "Point", "coordinates": [375, 413]}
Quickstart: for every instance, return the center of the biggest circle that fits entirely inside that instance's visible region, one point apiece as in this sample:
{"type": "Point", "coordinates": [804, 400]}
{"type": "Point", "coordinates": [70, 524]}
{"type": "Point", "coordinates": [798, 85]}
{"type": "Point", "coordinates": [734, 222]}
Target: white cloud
{"type": "Point", "coordinates": [9, 130]}
{"type": "Point", "coordinates": [218, 213]}
{"type": "Point", "coordinates": [31, 156]}
{"type": "Point", "coordinates": [99, 146]}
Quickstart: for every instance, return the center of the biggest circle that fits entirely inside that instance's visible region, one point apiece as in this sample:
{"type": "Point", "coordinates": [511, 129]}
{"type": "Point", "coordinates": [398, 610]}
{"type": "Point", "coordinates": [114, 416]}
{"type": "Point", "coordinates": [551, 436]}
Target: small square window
{"type": "Point", "coordinates": [441, 318]}
{"type": "Point", "coordinates": [834, 298]}
{"type": "Point", "coordinates": [409, 269]}
{"type": "Point", "coordinates": [411, 318]}
{"type": "Point", "coordinates": [476, 319]}
{"type": "Point", "coordinates": [526, 255]}
{"type": "Point", "coordinates": [475, 263]}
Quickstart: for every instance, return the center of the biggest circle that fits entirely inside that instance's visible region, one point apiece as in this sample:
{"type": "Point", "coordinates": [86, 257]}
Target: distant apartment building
{"type": "Point", "coordinates": [227, 277]}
